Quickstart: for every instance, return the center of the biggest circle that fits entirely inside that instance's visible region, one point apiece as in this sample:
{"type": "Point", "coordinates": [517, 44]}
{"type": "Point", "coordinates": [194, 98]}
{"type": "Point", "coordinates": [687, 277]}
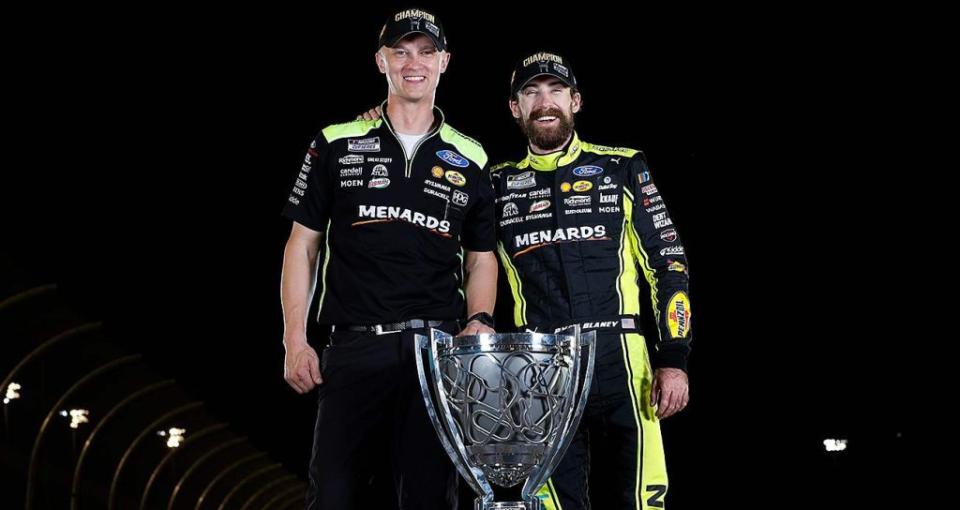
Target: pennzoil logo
{"type": "Point", "coordinates": [455, 178]}
{"type": "Point", "coordinates": [581, 186]}
{"type": "Point", "coordinates": [678, 315]}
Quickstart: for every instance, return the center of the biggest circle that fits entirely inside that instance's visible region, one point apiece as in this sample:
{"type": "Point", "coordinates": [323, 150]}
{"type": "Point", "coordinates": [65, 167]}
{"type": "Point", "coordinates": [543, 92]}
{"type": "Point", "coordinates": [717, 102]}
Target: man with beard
{"type": "Point", "coordinates": [575, 223]}
{"type": "Point", "coordinates": [399, 200]}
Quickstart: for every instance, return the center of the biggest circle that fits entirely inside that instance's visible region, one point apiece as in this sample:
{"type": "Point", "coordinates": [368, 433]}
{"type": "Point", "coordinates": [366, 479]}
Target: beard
{"type": "Point", "coordinates": [547, 138]}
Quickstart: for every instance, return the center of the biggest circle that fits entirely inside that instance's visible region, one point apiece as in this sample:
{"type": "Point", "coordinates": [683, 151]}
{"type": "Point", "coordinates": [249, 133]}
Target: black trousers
{"type": "Point", "coordinates": [371, 412]}
{"type": "Point", "coordinates": [617, 451]}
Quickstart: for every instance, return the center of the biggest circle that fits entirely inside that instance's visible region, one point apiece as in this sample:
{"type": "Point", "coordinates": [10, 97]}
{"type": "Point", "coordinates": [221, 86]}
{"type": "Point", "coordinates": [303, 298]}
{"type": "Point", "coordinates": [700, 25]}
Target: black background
{"type": "Point", "coordinates": [152, 155]}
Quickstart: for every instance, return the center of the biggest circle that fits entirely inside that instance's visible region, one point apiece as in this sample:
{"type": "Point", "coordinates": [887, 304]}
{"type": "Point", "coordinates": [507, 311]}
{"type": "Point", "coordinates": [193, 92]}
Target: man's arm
{"type": "Point", "coordinates": [301, 366]}
{"type": "Point", "coordinates": [309, 207]}
{"type": "Point", "coordinates": [481, 289]}
{"type": "Point", "coordinates": [664, 263]}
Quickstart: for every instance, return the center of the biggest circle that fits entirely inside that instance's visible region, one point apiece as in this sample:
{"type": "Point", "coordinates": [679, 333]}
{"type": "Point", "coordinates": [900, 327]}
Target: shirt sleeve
{"type": "Point", "coordinates": [663, 260]}
{"type": "Point", "coordinates": [312, 193]}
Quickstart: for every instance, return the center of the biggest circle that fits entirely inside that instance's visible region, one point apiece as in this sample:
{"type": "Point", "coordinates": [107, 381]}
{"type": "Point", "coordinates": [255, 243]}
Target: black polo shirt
{"type": "Point", "coordinates": [395, 225]}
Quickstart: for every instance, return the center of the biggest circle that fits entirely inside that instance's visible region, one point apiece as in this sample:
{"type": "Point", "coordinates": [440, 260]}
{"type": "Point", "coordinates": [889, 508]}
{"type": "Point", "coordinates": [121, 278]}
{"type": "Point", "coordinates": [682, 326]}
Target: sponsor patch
{"type": "Point", "coordinates": [455, 178]}
{"type": "Point", "coordinates": [521, 181]}
{"type": "Point", "coordinates": [587, 171]}
{"type": "Point", "coordinates": [539, 206]}
{"type": "Point", "coordinates": [678, 315]}
{"type": "Point", "coordinates": [453, 158]}
{"type": "Point", "coordinates": [669, 235]}
{"type": "Point", "coordinates": [364, 145]}
{"type": "Point", "coordinates": [378, 183]}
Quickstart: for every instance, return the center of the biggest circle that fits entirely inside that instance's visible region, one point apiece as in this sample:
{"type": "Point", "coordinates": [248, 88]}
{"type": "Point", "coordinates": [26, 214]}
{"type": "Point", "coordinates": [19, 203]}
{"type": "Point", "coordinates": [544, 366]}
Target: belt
{"type": "Point", "coordinates": [614, 323]}
{"type": "Point", "coordinates": [392, 327]}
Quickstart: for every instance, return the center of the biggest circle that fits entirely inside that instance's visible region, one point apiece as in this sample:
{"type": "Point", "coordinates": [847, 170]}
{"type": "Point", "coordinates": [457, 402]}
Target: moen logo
{"type": "Point", "coordinates": [560, 235]}
{"type": "Point", "coordinates": [383, 212]}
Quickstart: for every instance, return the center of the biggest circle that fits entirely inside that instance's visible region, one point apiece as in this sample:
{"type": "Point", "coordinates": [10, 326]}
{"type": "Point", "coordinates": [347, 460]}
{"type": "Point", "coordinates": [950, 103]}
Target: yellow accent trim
{"type": "Point", "coordinates": [606, 151]}
{"type": "Point", "coordinates": [348, 129]}
{"type": "Point", "coordinates": [632, 388]}
{"type": "Point", "coordinates": [326, 260]}
{"type": "Point", "coordinates": [500, 166]}
{"type": "Point", "coordinates": [553, 493]}
{"type": "Point", "coordinates": [470, 148]}
{"type": "Point", "coordinates": [627, 289]}
{"type": "Point", "coordinates": [642, 256]}
{"type": "Point", "coordinates": [548, 497]}
{"type": "Point", "coordinates": [516, 287]}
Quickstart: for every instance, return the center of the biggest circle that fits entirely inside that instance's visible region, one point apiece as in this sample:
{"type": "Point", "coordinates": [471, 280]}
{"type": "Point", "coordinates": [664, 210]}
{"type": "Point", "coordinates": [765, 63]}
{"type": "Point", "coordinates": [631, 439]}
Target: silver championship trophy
{"type": "Point", "coordinates": [506, 405]}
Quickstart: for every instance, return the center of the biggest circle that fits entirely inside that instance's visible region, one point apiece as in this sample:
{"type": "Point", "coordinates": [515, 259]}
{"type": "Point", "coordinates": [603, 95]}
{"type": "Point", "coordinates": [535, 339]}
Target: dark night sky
{"type": "Point", "coordinates": [154, 174]}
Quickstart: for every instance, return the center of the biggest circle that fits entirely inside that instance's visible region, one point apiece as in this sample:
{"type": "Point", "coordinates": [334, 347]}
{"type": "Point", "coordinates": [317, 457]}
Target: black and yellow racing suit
{"type": "Point", "coordinates": [576, 228]}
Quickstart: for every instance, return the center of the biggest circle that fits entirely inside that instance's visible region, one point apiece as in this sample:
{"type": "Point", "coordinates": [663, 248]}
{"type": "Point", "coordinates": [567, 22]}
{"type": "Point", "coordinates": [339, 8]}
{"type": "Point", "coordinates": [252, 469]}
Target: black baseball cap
{"type": "Point", "coordinates": [540, 64]}
{"type": "Point", "coordinates": [409, 21]}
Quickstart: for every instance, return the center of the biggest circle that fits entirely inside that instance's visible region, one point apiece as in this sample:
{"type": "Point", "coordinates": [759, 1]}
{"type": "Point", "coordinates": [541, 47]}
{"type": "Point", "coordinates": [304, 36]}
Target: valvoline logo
{"type": "Point", "coordinates": [453, 158]}
{"type": "Point", "coordinates": [587, 171]}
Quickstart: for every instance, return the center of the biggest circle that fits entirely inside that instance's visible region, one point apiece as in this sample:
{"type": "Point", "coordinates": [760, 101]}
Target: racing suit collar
{"type": "Point", "coordinates": [554, 160]}
{"type": "Point", "coordinates": [438, 119]}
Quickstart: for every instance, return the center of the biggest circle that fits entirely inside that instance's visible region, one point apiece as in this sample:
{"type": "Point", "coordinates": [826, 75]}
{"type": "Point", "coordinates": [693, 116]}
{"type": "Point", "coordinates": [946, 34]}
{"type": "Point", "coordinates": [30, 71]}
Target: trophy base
{"type": "Point", "coordinates": [479, 504]}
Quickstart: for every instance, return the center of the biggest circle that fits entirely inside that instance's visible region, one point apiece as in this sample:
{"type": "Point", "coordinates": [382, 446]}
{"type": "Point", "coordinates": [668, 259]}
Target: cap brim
{"type": "Point", "coordinates": [548, 73]}
{"type": "Point", "coordinates": [436, 41]}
